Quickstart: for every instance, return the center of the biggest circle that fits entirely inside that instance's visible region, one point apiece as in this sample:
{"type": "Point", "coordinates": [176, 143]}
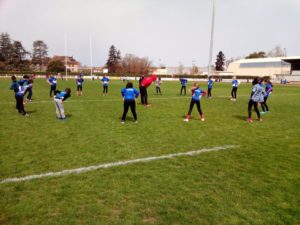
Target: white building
{"type": "Point", "coordinates": [272, 67]}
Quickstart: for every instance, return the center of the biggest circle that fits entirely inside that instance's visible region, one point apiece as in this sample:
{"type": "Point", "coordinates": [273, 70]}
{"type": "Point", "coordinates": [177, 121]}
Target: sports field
{"type": "Point", "coordinates": [253, 179]}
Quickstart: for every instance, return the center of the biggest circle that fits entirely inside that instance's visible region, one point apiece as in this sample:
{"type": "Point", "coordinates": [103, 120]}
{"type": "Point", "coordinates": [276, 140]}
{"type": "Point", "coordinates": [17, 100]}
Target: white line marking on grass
{"type": "Point", "coordinates": [113, 164]}
{"type": "Point", "coordinates": [158, 98]}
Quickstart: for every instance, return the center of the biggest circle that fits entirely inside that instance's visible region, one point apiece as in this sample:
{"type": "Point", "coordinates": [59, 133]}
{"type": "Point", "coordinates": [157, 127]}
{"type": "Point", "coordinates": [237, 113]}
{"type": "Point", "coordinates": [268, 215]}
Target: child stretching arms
{"type": "Point", "coordinates": [197, 93]}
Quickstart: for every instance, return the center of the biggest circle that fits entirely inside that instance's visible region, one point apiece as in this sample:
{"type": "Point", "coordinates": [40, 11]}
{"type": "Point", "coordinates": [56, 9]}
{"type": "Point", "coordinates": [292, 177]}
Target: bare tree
{"type": "Point", "coordinates": [278, 51]}
{"type": "Point", "coordinates": [134, 65]}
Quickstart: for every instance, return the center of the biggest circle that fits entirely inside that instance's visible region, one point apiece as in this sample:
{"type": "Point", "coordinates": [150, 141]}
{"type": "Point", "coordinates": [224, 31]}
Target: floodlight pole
{"type": "Point", "coordinates": [66, 61]}
{"type": "Point", "coordinates": [91, 56]}
{"type": "Point", "coordinates": [211, 39]}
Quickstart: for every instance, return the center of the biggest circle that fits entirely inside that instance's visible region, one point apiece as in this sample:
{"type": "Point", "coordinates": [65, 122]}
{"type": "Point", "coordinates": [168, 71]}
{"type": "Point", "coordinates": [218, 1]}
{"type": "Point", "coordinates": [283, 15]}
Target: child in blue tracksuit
{"type": "Point", "coordinates": [15, 86]}
{"type": "Point", "coordinates": [129, 95]}
{"type": "Point", "coordinates": [59, 98]}
{"type": "Point", "coordinates": [79, 82]}
{"type": "Point", "coordinates": [257, 96]}
{"type": "Point", "coordinates": [183, 82]}
{"type": "Point", "coordinates": [105, 81]}
{"type": "Point", "coordinates": [209, 87]}
{"type": "Point", "coordinates": [20, 97]}
{"type": "Point", "coordinates": [52, 82]}
{"type": "Point", "coordinates": [235, 83]}
{"type": "Point", "coordinates": [24, 82]}
{"type": "Point", "coordinates": [268, 90]}
{"type": "Point", "coordinates": [197, 93]}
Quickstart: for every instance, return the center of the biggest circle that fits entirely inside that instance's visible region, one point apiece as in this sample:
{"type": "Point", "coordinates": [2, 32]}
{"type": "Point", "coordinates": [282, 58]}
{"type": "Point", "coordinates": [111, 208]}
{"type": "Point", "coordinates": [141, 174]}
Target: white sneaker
{"type": "Point", "coordinates": [186, 120]}
{"type": "Point", "coordinates": [136, 121]}
{"type": "Point", "coordinates": [122, 122]}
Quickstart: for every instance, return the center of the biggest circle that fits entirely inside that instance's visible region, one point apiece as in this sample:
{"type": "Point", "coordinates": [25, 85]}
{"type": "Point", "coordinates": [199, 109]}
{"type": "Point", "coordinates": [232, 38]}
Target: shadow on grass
{"type": "Point", "coordinates": [244, 118]}
{"type": "Point", "coordinates": [68, 115]}
{"type": "Point", "coordinates": [31, 111]}
{"type": "Point", "coordinates": [128, 118]}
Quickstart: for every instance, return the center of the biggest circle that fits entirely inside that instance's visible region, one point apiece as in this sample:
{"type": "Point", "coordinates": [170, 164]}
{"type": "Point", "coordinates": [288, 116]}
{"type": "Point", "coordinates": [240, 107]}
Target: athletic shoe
{"type": "Point", "coordinates": [26, 114]}
{"type": "Point", "coordinates": [186, 120]}
{"type": "Point", "coordinates": [249, 120]}
{"type": "Point", "coordinates": [259, 120]}
{"type": "Point", "coordinates": [135, 121]}
{"type": "Point", "coordinates": [263, 112]}
{"type": "Point", "coordinates": [202, 118]}
{"type": "Point", "coordinates": [122, 122]}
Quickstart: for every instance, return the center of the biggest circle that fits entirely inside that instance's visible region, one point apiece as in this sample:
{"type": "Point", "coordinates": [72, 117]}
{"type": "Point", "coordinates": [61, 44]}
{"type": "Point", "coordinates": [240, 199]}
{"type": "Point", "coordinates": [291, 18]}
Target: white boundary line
{"type": "Point", "coordinates": [113, 164]}
{"type": "Point", "coordinates": [120, 99]}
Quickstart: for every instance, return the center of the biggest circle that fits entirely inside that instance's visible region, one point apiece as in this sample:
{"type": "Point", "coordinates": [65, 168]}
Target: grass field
{"type": "Point", "coordinates": [256, 182]}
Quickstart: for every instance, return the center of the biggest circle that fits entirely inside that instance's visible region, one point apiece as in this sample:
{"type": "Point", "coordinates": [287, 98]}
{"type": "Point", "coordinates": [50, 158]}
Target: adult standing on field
{"type": "Point", "coordinates": [235, 83]}
{"type": "Point", "coordinates": [52, 81]}
{"type": "Point", "coordinates": [129, 95]}
{"type": "Point", "coordinates": [141, 89]}
{"type": "Point", "coordinates": [147, 81]}
{"type": "Point", "coordinates": [257, 96]}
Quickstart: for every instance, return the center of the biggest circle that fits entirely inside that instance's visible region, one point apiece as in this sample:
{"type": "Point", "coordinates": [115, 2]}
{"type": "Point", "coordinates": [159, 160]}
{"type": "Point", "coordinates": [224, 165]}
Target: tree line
{"type": "Point", "coordinates": [14, 57]}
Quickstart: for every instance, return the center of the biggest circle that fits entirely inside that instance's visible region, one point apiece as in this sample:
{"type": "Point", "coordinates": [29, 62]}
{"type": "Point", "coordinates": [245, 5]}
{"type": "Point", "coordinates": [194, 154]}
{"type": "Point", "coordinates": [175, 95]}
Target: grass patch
{"type": "Point", "coordinates": [255, 183]}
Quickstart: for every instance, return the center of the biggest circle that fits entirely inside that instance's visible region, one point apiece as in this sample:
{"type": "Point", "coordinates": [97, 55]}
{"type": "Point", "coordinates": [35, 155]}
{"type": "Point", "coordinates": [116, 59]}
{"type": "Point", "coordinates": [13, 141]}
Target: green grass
{"type": "Point", "coordinates": [258, 182]}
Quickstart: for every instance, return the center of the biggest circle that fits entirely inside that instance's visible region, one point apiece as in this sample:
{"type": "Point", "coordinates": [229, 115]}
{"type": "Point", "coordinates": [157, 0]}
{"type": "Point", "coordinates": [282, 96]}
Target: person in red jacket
{"type": "Point", "coordinates": [145, 83]}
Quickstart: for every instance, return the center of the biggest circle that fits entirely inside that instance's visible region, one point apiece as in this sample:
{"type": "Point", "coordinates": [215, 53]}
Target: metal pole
{"type": "Point", "coordinates": [91, 56]}
{"type": "Point", "coordinates": [211, 39]}
{"type": "Point", "coordinates": [66, 61]}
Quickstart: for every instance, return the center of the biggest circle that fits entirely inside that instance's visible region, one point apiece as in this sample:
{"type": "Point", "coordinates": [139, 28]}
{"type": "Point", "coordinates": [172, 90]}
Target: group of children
{"type": "Point", "coordinates": [259, 94]}
{"type": "Point", "coordinates": [20, 89]}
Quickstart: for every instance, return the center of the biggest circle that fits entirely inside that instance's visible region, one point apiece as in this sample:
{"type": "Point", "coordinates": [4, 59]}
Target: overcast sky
{"type": "Point", "coordinates": [171, 30]}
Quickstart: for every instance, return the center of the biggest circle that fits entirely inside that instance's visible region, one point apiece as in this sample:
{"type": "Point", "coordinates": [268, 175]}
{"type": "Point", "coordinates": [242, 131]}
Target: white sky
{"type": "Point", "coordinates": [171, 30]}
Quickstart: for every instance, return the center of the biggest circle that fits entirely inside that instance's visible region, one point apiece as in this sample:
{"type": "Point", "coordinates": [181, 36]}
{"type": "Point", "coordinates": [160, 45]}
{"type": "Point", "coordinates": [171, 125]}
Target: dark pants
{"type": "Point", "coordinates": [16, 102]}
{"type": "Point", "coordinates": [264, 105]}
{"type": "Point", "coordinates": [128, 104]}
{"type": "Point", "coordinates": [192, 105]}
{"type": "Point", "coordinates": [29, 90]}
{"type": "Point", "coordinates": [144, 95]}
{"type": "Point", "coordinates": [183, 88]}
{"type": "Point", "coordinates": [233, 92]}
{"type": "Point", "coordinates": [20, 105]}
{"type": "Point", "coordinates": [209, 92]}
{"type": "Point", "coordinates": [52, 89]}
{"type": "Point", "coordinates": [79, 87]}
{"type": "Point", "coordinates": [158, 91]}
{"type": "Point", "coordinates": [250, 104]}
{"type": "Point", "coordinates": [105, 89]}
